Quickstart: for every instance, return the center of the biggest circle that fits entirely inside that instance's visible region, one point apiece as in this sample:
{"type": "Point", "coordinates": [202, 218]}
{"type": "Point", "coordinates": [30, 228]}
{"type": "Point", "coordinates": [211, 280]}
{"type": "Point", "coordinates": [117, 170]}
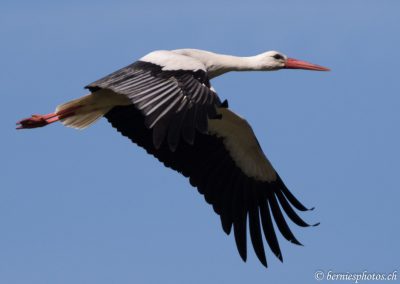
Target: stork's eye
{"type": "Point", "coordinates": [278, 57]}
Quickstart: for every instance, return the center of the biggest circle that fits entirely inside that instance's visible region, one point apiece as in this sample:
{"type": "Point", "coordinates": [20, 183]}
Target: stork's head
{"type": "Point", "coordinates": [274, 60]}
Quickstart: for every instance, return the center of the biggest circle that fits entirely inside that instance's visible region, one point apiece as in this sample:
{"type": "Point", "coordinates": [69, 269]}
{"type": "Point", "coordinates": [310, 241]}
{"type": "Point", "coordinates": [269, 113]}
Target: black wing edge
{"type": "Point", "coordinates": [237, 198]}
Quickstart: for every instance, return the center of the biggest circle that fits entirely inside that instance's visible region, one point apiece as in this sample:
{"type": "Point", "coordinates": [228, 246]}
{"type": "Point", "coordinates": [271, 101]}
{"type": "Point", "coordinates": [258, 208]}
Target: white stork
{"type": "Point", "coordinates": [164, 103]}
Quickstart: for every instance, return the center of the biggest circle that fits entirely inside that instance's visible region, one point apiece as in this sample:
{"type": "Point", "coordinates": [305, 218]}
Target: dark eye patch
{"type": "Point", "coordinates": [278, 56]}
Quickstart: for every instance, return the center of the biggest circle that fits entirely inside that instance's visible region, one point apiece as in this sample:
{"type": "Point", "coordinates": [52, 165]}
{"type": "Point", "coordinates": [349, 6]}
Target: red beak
{"type": "Point", "coordinates": [292, 63]}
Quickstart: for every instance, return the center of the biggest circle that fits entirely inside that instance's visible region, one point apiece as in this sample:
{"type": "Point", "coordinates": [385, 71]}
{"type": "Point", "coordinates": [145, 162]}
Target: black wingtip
{"type": "Point", "coordinates": [296, 242]}
{"type": "Point", "coordinates": [226, 226]}
{"type": "Point", "coordinates": [241, 246]}
{"type": "Point", "coordinates": [287, 208]}
{"type": "Point", "coordinates": [316, 224]}
{"type": "Point", "coordinates": [264, 263]}
{"type": "Point", "coordinates": [243, 255]}
{"type": "Point", "coordinates": [290, 197]}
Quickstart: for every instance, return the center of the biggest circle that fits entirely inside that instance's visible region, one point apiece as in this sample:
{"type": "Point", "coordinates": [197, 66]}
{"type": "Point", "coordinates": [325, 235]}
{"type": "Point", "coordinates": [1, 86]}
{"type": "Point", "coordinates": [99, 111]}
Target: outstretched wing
{"type": "Point", "coordinates": [174, 102]}
{"type": "Point", "coordinates": [228, 167]}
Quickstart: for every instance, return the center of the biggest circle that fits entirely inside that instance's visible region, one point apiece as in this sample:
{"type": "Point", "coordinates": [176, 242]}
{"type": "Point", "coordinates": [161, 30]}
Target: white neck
{"type": "Point", "coordinates": [218, 64]}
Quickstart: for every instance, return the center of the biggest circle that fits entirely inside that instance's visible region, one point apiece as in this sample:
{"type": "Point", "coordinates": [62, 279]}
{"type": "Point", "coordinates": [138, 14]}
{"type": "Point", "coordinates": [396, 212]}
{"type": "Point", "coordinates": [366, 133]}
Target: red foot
{"type": "Point", "coordinates": [40, 120]}
{"type": "Point", "coordinates": [37, 120]}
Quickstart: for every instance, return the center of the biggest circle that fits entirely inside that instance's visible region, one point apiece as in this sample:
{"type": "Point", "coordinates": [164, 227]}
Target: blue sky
{"type": "Point", "coordinates": [90, 207]}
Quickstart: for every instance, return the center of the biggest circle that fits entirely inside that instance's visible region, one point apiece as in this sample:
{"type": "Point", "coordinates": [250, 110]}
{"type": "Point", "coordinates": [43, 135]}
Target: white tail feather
{"type": "Point", "coordinates": [88, 109]}
{"type": "Point", "coordinates": [81, 121]}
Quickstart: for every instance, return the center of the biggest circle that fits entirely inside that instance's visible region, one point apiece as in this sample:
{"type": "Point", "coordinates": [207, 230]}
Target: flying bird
{"type": "Point", "coordinates": [164, 102]}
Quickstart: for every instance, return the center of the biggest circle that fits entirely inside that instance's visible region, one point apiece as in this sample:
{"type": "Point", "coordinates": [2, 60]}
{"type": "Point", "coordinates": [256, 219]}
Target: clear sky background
{"type": "Point", "coordinates": [90, 207]}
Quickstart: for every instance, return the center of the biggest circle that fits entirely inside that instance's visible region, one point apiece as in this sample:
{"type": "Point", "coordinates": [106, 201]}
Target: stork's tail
{"type": "Point", "coordinates": [79, 114]}
{"type": "Point", "coordinates": [86, 111]}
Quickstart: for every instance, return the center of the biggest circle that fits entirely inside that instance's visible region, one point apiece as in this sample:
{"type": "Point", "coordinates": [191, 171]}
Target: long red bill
{"type": "Point", "coordinates": [292, 63]}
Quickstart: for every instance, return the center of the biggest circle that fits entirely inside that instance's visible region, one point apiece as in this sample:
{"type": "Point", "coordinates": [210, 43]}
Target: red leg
{"type": "Point", "coordinates": [38, 120]}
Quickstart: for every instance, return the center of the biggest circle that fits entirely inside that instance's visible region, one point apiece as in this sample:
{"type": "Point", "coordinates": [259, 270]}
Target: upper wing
{"type": "Point", "coordinates": [174, 102]}
{"type": "Point", "coordinates": [228, 167]}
